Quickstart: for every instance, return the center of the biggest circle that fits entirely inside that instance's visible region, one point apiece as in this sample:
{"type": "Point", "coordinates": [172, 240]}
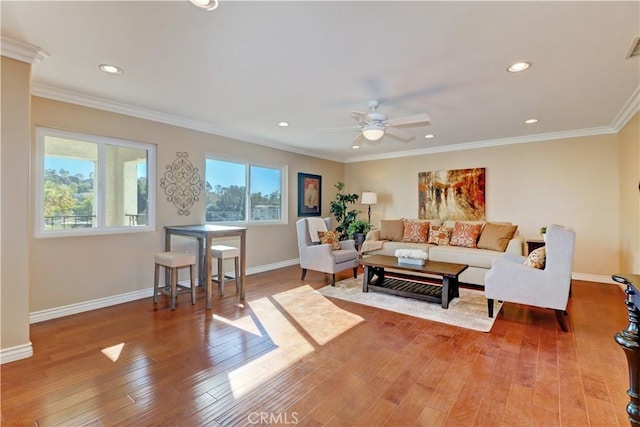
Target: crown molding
{"type": "Point", "coordinates": [488, 143]}
{"type": "Point", "coordinates": [22, 51]}
{"type": "Point", "coordinates": [45, 91]}
{"type": "Point", "coordinates": [58, 94]}
{"type": "Point", "coordinates": [628, 110]}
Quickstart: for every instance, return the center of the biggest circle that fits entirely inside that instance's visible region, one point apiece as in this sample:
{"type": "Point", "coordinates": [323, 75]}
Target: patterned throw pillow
{"type": "Point", "coordinates": [537, 258]}
{"type": "Point", "coordinates": [415, 231]}
{"type": "Point", "coordinates": [465, 235]}
{"type": "Point", "coordinates": [439, 235]}
{"type": "Point", "coordinates": [329, 237]}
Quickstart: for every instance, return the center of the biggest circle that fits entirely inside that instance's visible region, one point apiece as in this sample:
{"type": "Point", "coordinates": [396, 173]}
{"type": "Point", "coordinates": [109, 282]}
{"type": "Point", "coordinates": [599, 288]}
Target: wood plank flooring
{"type": "Point", "coordinates": [280, 359]}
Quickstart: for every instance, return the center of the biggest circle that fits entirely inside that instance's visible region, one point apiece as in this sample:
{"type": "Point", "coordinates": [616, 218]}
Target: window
{"type": "Point", "coordinates": [87, 184]}
{"type": "Point", "coordinates": [241, 192]}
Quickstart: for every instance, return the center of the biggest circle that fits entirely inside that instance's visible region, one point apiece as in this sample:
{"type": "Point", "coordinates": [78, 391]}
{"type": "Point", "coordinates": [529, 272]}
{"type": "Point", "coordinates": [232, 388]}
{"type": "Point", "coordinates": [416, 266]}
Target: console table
{"type": "Point", "coordinates": [629, 341]}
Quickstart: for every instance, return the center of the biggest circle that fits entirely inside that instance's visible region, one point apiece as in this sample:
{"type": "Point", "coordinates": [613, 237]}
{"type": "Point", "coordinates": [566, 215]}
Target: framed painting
{"type": "Point", "coordinates": [456, 194]}
{"type": "Point", "coordinates": [309, 194]}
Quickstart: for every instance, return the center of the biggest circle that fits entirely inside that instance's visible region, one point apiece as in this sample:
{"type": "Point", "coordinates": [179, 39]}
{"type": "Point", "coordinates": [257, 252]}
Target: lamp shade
{"type": "Point", "coordinates": [369, 198]}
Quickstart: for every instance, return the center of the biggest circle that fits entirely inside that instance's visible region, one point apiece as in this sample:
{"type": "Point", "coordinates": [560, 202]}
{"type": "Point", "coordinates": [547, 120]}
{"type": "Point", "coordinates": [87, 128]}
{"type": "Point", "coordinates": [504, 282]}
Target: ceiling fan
{"type": "Point", "coordinates": [374, 125]}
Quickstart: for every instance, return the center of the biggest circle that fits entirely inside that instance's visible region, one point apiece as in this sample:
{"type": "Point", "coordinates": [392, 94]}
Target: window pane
{"type": "Point", "coordinates": [70, 187]}
{"type": "Point", "coordinates": [125, 186]}
{"type": "Point", "coordinates": [266, 195]}
{"type": "Point", "coordinates": [226, 191]}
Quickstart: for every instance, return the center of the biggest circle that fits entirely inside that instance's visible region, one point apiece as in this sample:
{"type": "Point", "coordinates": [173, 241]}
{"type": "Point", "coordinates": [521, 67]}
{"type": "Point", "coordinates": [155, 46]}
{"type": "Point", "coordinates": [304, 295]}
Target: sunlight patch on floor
{"type": "Point", "coordinates": [113, 352]}
{"type": "Point", "coordinates": [245, 323]}
{"type": "Point", "coordinates": [311, 320]}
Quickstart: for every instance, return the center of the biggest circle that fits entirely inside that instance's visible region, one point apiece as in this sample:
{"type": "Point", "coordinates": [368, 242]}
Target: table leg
{"type": "Point", "coordinates": [446, 284]}
{"type": "Point", "coordinates": [207, 269]}
{"type": "Point", "coordinates": [365, 279]}
{"type": "Point", "coordinates": [243, 263]}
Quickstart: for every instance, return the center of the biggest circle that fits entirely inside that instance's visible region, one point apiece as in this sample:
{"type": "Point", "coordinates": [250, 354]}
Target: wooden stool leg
{"type": "Point", "coordinates": [174, 282]}
{"type": "Point", "coordinates": [220, 276]}
{"type": "Point", "coordinates": [156, 277]}
{"type": "Point", "coordinates": [237, 265]}
{"type": "Point", "coordinates": [192, 273]}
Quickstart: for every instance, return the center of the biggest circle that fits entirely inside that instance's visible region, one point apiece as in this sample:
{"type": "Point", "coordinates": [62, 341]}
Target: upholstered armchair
{"type": "Point", "coordinates": [510, 280]}
{"type": "Point", "coordinates": [322, 257]}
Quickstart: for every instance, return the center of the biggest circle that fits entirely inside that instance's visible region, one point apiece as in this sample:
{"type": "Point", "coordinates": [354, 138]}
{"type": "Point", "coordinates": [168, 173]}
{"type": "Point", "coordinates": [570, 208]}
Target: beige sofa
{"type": "Point", "coordinates": [478, 259]}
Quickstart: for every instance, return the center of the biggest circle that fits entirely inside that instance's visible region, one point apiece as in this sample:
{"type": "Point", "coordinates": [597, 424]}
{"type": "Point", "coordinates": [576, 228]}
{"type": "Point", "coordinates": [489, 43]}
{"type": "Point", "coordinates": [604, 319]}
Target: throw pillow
{"type": "Point", "coordinates": [496, 236]}
{"type": "Point", "coordinates": [392, 229]}
{"type": "Point", "coordinates": [329, 237]}
{"type": "Point", "coordinates": [465, 235]}
{"type": "Point", "coordinates": [415, 231]}
{"type": "Point", "coordinates": [439, 235]}
{"type": "Point", "coordinates": [537, 258]}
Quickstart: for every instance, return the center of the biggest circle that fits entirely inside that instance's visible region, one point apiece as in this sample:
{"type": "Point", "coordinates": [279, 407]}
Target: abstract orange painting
{"type": "Point", "coordinates": [452, 194]}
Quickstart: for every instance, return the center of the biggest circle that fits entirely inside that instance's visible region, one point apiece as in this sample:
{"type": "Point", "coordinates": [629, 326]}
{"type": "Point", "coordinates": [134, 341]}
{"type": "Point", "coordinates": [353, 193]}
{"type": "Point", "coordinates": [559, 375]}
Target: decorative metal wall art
{"type": "Point", "coordinates": [182, 183]}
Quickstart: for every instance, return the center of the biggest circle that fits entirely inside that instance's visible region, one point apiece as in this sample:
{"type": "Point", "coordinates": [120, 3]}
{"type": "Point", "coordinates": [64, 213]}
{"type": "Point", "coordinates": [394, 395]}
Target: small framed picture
{"type": "Point", "coordinates": [309, 194]}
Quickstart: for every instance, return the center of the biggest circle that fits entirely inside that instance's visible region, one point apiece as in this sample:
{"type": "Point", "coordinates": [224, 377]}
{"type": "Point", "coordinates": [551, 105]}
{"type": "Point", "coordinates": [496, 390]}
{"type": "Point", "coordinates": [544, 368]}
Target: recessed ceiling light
{"type": "Point", "coordinates": [111, 69]}
{"type": "Point", "coordinates": [519, 66]}
{"type": "Point", "coordinates": [355, 145]}
{"type": "Point", "coordinates": [283, 124]}
{"type": "Point", "coordinates": [429, 136]}
{"type": "Point", "coordinates": [531, 121]}
{"type": "Point", "coordinates": [205, 4]}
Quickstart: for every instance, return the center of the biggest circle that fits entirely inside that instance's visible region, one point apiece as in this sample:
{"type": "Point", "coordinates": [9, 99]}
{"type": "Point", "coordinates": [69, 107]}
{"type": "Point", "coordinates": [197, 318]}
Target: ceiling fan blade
{"type": "Point", "coordinates": [418, 119]}
{"type": "Point", "coordinates": [360, 116]}
{"type": "Point", "coordinates": [400, 134]}
{"type": "Point", "coordinates": [357, 141]}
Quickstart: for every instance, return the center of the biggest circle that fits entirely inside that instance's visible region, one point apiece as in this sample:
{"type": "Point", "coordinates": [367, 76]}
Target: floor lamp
{"type": "Point", "coordinates": [369, 198]}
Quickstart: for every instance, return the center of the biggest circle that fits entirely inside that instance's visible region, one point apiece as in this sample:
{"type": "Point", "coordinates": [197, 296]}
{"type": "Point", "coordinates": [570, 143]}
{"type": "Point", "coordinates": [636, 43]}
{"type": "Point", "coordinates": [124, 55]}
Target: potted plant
{"type": "Point", "coordinates": [357, 230]}
{"type": "Point", "coordinates": [338, 208]}
{"type": "Point", "coordinates": [543, 231]}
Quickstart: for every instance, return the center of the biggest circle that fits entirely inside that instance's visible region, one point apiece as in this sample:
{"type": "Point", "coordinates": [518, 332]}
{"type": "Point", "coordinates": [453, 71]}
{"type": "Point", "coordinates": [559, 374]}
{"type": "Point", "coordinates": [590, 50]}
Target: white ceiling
{"type": "Point", "coordinates": [244, 67]}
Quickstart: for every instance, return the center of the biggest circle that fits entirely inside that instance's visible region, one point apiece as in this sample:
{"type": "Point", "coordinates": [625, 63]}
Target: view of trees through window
{"type": "Point", "coordinates": [91, 183]}
{"type": "Point", "coordinates": [226, 192]}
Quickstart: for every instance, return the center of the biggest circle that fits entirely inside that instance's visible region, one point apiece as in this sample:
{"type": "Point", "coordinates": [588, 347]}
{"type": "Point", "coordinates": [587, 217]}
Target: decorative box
{"type": "Point", "coordinates": [412, 261]}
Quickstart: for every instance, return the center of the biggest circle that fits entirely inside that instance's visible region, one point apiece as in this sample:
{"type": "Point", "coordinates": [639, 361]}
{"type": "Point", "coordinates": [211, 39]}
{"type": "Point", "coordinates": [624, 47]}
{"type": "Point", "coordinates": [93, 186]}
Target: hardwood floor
{"type": "Point", "coordinates": [277, 361]}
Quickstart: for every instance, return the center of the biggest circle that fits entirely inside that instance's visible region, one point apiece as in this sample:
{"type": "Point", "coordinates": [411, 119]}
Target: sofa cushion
{"type": "Point", "coordinates": [415, 231]}
{"type": "Point", "coordinates": [439, 235]}
{"type": "Point", "coordinates": [537, 258]}
{"type": "Point", "coordinates": [465, 235]}
{"type": "Point", "coordinates": [392, 229]}
{"type": "Point", "coordinates": [329, 237]}
{"type": "Point", "coordinates": [496, 236]}
{"type": "Point", "coordinates": [457, 254]}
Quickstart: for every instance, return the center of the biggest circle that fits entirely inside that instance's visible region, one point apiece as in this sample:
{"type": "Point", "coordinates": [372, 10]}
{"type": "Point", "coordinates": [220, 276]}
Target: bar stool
{"type": "Point", "coordinates": [173, 261]}
{"type": "Point", "coordinates": [222, 252]}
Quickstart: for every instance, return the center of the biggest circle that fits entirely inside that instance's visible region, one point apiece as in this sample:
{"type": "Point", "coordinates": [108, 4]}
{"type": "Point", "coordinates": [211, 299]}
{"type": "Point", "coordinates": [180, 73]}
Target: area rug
{"type": "Point", "coordinates": [468, 311]}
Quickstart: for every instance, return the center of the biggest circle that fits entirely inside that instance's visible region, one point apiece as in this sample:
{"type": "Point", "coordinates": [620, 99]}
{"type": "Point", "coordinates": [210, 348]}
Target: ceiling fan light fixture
{"type": "Point", "coordinates": [205, 4]}
{"type": "Point", "coordinates": [373, 131]}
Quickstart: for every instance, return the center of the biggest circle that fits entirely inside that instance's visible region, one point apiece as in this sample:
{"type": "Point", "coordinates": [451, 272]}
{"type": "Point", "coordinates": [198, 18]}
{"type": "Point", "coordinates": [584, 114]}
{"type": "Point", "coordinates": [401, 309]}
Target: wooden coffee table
{"type": "Point", "coordinates": [439, 291]}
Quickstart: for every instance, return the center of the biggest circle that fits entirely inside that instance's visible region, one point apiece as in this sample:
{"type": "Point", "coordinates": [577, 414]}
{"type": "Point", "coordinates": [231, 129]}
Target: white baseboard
{"type": "Point", "coordinates": [67, 310]}
{"type": "Point", "coordinates": [593, 278]}
{"type": "Point", "coordinates": [18, 352]}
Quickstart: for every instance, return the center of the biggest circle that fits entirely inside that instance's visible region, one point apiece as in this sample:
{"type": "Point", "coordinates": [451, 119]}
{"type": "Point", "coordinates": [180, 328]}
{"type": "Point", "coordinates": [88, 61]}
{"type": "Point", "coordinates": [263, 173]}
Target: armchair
{"type": "Point", "coordinates": [321, 257]}
{"type": "Point", "coordinates": [510, 280]}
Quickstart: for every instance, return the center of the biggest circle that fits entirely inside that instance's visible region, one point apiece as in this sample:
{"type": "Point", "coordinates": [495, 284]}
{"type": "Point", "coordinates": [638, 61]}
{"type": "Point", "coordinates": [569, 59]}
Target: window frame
{"type": "Point", "coordinates": [101, 141]}
{"type": "Point", "coordinates": [284, 185]}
